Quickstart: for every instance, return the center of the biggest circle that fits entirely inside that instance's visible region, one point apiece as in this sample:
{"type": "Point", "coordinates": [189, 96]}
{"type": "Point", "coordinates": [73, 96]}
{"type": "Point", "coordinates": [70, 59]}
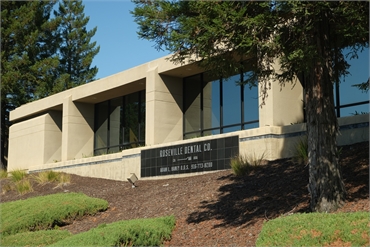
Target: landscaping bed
{"type": "Point", "coordinates": [213, 209]}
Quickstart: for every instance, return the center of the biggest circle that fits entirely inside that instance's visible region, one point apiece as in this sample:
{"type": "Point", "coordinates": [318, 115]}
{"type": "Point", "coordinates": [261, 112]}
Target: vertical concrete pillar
{"type": "Point", "coordinates": [284, 104]}
{"type": "Point", "coordinates": [163, 108]}
{"type": "Point", "coordinates": [53, 137]}
{"type": "Point", "coordinates": [78, 129]}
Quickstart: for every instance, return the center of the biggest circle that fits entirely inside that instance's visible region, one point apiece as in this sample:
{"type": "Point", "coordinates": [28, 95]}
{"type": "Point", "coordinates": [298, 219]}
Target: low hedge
{"type": "Point", "coordinates": [38, 238]}
{"type": "Point", "coordinates": [45, 212]}
{"type": "Point", "coordinates": [139, 232]}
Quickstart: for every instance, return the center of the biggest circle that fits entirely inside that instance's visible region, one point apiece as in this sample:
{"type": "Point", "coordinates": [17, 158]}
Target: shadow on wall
{"type": "Point", "coordinates": [87, 112]}
{"type": "Point", "coordinates": [174, 87]}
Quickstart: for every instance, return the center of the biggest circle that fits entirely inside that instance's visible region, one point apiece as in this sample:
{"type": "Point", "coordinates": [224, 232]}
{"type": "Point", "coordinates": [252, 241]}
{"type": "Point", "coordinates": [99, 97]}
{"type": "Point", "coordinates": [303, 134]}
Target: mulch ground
{"type": "Point", "coordinates": [214, 209]}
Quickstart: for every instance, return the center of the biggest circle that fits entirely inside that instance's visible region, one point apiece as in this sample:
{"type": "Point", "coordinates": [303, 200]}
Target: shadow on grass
{"type": "Point", "coordinates": [278, 188]}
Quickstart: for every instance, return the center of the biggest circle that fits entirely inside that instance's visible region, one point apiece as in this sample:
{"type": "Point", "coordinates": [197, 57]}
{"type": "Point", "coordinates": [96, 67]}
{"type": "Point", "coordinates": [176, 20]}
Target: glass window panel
{"type": "Point", "coordinates": [231, 106]}
{"type": "Point", "coordinates": [211, 132]}
{"type": "Point", "coordinates": [114, 149]}
{"type": "Point", "coordinates": [231, 100]}
{"type": "Point", "coordinates": [192, 102]}
{"type": "Point", "coordinates": [335, 95]}
{"type": "Point", "coordinates": [115, 129]}
{"type": "Point", "coordinates": [142, 117]}
{"type": "Point", "coordinates": [354, 110]}
{"type": "Point", "coordinates": [131, 120]}
{"type": "Point", "coordinates": [192, 135]}
{"type": "Point", "coordinates": [231, 129]}
{"type": "Point", "coordinates": [126, 118]}
{"type": "Point", "coordinates": [100, 152]}
{"type": "Point", "coordinates": [211, 103]}
{"type": "Point", "coordinates": [251, 126]}
{"type": "Point", "coordinates": [359, 72]}
{"type": "Point", "coordinates": [250, 103]}
{"type": "Point", "coordinates": [101, 125]}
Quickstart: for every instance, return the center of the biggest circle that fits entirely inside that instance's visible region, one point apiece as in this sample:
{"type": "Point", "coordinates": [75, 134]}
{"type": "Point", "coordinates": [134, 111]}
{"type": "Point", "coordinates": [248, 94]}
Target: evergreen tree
{"type": "Point", "coordinates": [76, 50]}
{"type": "Point", "coordinates": [25, 60]}
{"type": "Point", "coordinates": [41, 55]}
{"type": "Point", "coordinates": [308, 38]}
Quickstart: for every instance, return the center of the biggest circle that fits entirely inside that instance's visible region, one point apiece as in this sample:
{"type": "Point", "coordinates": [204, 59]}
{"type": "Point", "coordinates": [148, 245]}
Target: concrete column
{"type": "Point", "coordinates": [53, 137]}
{"type": "Point", "coordinates": [163, 108]}
{"type": "Point", "coordinates": [284, 104]}
{"type": "Point", "coordinates": [78, 129]}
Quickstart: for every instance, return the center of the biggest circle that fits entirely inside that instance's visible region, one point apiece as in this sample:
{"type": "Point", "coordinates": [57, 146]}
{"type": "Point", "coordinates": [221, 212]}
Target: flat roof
{"type": "Point", "coordinates": [122, 83]}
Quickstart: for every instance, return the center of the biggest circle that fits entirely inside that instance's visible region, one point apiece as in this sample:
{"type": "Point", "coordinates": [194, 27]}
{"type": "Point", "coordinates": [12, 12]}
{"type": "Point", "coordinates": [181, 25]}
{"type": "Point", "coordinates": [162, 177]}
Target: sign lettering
{"type": "Point", "coordinates": [198, 156]}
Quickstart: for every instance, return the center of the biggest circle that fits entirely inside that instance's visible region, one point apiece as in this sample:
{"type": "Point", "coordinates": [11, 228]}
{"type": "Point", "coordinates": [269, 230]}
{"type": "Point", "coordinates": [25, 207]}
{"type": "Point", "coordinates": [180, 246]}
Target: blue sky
{"type": "Point", "coordinates": [121, 49]}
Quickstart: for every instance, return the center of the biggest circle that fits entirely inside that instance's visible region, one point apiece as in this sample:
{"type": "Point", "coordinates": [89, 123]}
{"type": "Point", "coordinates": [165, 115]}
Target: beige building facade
{"type": "Point", "coordinates": [165, 112]}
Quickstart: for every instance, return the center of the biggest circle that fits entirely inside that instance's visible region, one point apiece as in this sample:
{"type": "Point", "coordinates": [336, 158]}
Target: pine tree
{"type": "Point", "coordinates": [25, 62]}
{"type": "Point", "coordinates": [76, 49]}
{"type": "Point", "coordinates": [41, 55]}
{"type": "Point", "coordinates": [308, 38]}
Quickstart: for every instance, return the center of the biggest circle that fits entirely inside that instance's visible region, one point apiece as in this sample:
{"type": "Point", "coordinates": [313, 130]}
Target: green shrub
{"type": "Point", "coordinates": [242, 165]}
{"type": "Point", "coordinates": [52, 177]}
{"type": "Point", "coordinates": [18, 175]}
{"type": "Point", "coordinates": [301, 151]}
{"type": "Point", "coordinates": [23, 186]}
{"type": "Point", "coordinates": [46, 176]}
{"type": "Point", "coordinates": [317, 229]}
{"type": "Point", "coordinates": [256, 161]}
{"type": "Point", "coordinates": [39, 238]}
{"type": "Point", "coordinates": [139, 232]}
{"type": "Point", "coordinates": [239, 165]}
{"type": "Point", "coordinates": [64, 178]}
{"type": "Point", "coordinates": [40, 213]}
{"type": "Point", "coordinates": [6, 187]}
{"type": "Point", "coordinates": [3, 173]}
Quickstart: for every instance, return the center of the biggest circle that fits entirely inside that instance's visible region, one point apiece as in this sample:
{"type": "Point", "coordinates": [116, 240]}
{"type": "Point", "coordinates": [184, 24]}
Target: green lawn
{"type": "Point", "coordinates": [34, 222]}
{"type": "Point", "coordinates": [317, 229]}
{"type": "Point", "coordinates": [45, 212]}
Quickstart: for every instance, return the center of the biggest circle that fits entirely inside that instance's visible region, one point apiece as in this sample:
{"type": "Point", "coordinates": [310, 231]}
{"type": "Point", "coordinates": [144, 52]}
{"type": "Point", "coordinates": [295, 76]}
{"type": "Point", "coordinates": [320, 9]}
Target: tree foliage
{"type": "Point", "coordinates": [32, 61]}
{"type": "Point", "coordinates": [24, 54]}
{"type": "Point", "coordinates": [76, 50]}
{"type": "Point", "coordinates": [25, 61]}
{"type": "Point", "coordinates": [308, 40]}
{"type": "Point", "coordinates": [364, 86]}
{"type": "Point", "coordinates": [200, 31]}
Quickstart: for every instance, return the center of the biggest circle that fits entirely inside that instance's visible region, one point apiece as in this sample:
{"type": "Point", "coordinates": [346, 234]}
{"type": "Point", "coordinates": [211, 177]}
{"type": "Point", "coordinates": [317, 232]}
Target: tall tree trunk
{"type": "Point", "coordinates": [326, 187]}
{"type": "Point", "coordinates": [4, 136]}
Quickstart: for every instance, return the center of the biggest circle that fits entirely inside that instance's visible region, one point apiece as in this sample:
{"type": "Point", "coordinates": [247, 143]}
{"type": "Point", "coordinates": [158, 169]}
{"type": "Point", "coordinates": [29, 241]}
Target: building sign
{"type": "Point", "coordinates": [199, 156]}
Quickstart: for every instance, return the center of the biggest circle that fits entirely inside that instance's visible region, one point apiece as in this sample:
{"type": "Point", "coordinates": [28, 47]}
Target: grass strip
{"type": "Point", "coordinates": [317, 229]}
{"type": "Point", "coordinates": [44, 212]}
{"type": "Point", "coordinates": [38, 238]}
{"type": "Point", "coordinates": [139, 232]}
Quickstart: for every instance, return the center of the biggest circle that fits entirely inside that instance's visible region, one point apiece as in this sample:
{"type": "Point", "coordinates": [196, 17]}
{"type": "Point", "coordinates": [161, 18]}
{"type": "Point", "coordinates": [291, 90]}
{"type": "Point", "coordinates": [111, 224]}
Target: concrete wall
{"type": "Point", "coordinates": [118, 166]}
{"type": "Point", "coordinates": [269, 142]}
{"type": "Point", "coordinates": [276, 142]}
{"type": "Point", "coordinates": [283, 105]}
{"type": "Point", "coordinates": [163, 108]}
{"type": "Point", "coordinates": [78, 129]}
{"type": "Point", "coordinates": [353, 129]}
{"type": "Point", "coordinates": [58, 132]}
{"type": "Point", "coordinates": [37, 141]}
